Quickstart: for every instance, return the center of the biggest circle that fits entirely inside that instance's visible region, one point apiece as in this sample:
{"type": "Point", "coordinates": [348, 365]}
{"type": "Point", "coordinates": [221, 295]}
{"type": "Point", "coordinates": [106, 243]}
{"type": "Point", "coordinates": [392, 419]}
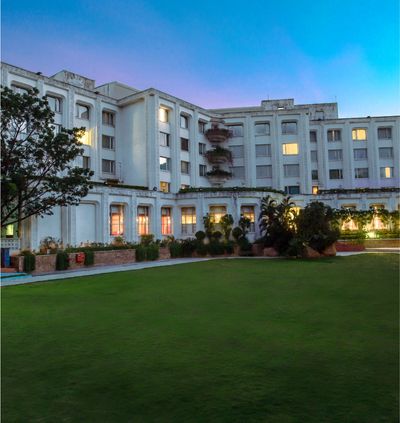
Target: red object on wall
{"type": "Point", "coordinates": [80, 257]}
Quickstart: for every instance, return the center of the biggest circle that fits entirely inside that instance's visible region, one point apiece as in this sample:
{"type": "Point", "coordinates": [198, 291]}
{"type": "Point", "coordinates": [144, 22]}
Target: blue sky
{"type": "Point", "coordinates": [219, 53]}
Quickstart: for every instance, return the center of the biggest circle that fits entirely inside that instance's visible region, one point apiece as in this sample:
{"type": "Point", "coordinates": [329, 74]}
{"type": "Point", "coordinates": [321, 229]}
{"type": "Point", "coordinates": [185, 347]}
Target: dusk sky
{"type": "Point", "coordinates": [218, 53]}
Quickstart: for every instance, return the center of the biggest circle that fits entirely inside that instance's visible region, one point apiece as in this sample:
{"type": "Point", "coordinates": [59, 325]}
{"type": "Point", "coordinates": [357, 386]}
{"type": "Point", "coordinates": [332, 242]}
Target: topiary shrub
{"type": "Point", "coordinates": [217, 235]}
{"type": "Point", "coordinates": [152, 252]}
{"type": "Point", "coordinates": [237, 233]}
{"type": "Point", "coordinates": [62, 260]}
{"type": "Point", "coordinates": [29, 261]}
{"type": "Point", "coordinates": [201, 249]}
{"type": "Point", "coordinates": [215, 248]}
{"type": "Point", "coordinates": [89, 258]}
{"type": "Point", "coordinates": [140, 253]}
{"type": "Point", "coordinates": [200, 235]}
{"type": "Point", "coordinates": [244, 247]}
{"type": "Point", "coordinates": [228, 247]}
{"type": "Point", "coordinates": [175, 249]}
{"type": "Point", "coordinates": [188, 247]}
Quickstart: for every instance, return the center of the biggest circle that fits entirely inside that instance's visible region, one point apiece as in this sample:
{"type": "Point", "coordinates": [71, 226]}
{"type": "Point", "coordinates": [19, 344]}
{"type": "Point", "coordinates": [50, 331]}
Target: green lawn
{"type": "Point", "coordinates": [273, 341]}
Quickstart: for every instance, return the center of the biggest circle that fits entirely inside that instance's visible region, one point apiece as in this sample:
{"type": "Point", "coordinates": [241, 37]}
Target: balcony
{"type": "Point", "coordinates": [218, 177]}
{"type": "Point", "coordinates": [218, 135]}
{"type": "Point", "coordinates": [219, 155]}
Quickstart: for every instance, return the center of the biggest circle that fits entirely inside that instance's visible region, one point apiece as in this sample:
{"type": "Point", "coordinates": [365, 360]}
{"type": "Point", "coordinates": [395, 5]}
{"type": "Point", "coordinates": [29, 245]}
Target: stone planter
{"type": "Point", "coordinates": [311, 253]}
{"type": "Point", "coordinates": [217, 135]}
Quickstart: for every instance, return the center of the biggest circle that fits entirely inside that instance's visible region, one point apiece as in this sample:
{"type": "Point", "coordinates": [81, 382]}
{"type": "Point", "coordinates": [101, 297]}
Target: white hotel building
{"type": "Point", "coordinates": [144, 146]}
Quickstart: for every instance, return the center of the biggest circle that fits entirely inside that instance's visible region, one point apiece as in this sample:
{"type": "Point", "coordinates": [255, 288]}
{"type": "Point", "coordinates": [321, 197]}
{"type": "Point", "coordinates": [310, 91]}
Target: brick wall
{"type": "Point", "coordinates": [102, 258]}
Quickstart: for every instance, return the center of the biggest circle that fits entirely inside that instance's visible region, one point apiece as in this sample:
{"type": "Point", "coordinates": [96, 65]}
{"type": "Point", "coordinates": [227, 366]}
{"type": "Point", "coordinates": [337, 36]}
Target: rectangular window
{"type": "Point", "coordinates": [313, 136]}
{"type": "Point", "coordinates": [314, 155]}
{"type": "Point", "coordinates": [184, 167]}
{"type": "Point", "coordinates": [184, 122]}
{"type": "Point", "coordinates": [334, 135]}
{"type": "Point", "coordinates": [165, 164]}
{"type": "Point", "coordinates": [202, 148]}
{"type": "Point", "coordinates": [164, 139]}
{"type": "Point", "coordinates": [54, 103]}
{"type": "Point", "coordinates": [238, 172]}
{"type": "Point", "coordinates": [142, 220]}
{"type": "Point", "coordinates": [359, 134]}
{"type": "Point", "coordinates": [335, 155]}
{"type": "Point", "coordinates": [216, 213]}
{"type": "Point", "coordinates": [335, 174]}
{"type": "Point", "coordinates": [315, 189]}
{"type": "Point", "coordinates": [360, 154]}
{"type": "Point", "coordinates": [248, 211]}
{"type": "Point", "coordinates": [386, 172]}
{"type": "Point", "coordinates": [108, 166]}
{"type": "Point", "coordinates": [165, 186]}
{"type": "Point", "coordinates": [18, 89]}
{"type": "Point", "coordinates": [116, 219]}
{"type": "Point", "coordinates": [289, 128]}
{"type": "Point", "coordinates": [290, 149]}
{"type": "Point", "coordinates": [237, 151]}
{"type": "Point", "coordinates": [263, 150]}
{"type": "Point", "coordinates": [291, 170]}
{"type": "Point", "coordinates": [361, 172]}
{"type": "Point", "coordinates": [314, 174]}
{"type": "Point", "coordinates": [163, 114]}
{"type": "Point", "coordinates": [85, 162]}
{"type": "Point", "coordinates": [386, 152]}
{"type": "Point", "coordinates": [236, 130]}
{"type": "Point", "coordinates": [188, 220]}
{"type": "Point", "coordinates": [385, 133]}
{"type": "Point", "coordinates": [263, 172]}
{"type": "Point", "coordinates": [202, 127]}
{"type": "Point", "coordinates": [82, 111]}
{"type": "Point", "coordinates": [184, 144]}
{"type": "Point", "coordinates": [108, 118]}
{"type": "Point", "coordinates": [202, 170]}
{"type": "Point", "coordinates": [166, 221]}
{"type": "Point", "coordinates": [108, 142]}
{"type": "Point", "coordinates": [261, 128]}
{"type": "Point", "coordinates": [56, 128]}
{"type": "Point", "coordinates": [292, 189]}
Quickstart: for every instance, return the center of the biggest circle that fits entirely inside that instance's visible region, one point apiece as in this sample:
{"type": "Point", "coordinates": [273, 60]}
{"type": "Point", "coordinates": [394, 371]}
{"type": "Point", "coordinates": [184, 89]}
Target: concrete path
{"type": "Point", "coordinates": [143, 265]}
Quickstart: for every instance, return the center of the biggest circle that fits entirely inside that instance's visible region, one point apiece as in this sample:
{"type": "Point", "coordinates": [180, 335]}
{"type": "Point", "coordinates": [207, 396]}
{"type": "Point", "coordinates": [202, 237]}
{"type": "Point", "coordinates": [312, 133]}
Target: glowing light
{"type": "Point", "coordinates": [290, 149]}
{"type": "Point", "coordinates": [315, 190]}
{"type": "Point", "coordinates": [163, 114]}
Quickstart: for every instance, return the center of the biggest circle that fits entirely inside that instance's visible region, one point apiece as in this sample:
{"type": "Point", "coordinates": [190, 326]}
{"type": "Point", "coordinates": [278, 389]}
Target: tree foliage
{"type": "Point", "coordinates": [37, 165]}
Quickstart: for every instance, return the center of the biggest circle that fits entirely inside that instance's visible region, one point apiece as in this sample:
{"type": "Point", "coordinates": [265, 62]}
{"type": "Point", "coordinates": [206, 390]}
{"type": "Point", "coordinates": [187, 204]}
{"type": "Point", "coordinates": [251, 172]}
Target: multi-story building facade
{"type": "Point", "coordinates": [147, 148]}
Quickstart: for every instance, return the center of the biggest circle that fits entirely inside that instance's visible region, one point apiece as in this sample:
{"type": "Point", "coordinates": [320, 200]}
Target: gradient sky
{"type": "Point", "coordinates": [218, 53]}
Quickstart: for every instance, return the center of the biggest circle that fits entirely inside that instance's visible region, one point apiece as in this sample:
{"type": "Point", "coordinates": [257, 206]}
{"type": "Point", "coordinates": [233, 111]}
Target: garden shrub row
{"type": "Point", "coordinates": [149, 252]}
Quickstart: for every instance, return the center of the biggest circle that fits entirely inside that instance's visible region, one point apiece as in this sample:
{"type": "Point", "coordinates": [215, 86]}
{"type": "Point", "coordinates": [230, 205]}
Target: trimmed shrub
{"type": "Point", "coordinates": [217, 235]}
{"type": "Point", "coordinates": [228, 247]}
{"type": "Point", "coordinates": [245, 247]}
{"type": "Point", "coordinates": [200, 235]}
{"type": "Point", "coordinates": [140, 253]}
{"type": "Point", "coordinates": [201, 249]}
{"type": "Point", "coordinates": [175, 249]}
{"type": "Point", "coordinates": [62, 260]}
{"type": "Point", "coordinates": [188, 246]}
{"type": "Point", "coordinates": [237, 233]}
{"type": "Point", "coordinates": [29, 261]}
{"type": "Point", "coordinates": [215, 248]}
{"type": "Point", "coordinates": [89, 258]}
{"type": "Point", "coordinates": [152, 252]}
{"type": "Point", "coordinates": [147, 239]}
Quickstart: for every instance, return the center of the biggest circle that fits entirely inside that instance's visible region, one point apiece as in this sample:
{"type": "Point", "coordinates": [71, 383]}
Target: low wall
{"type": "Point", "coordinates": [382, 243]}
{"type": "Point", "coordinates": [164, 253]}
{"type": "Point", "coordinates": [102, 258]}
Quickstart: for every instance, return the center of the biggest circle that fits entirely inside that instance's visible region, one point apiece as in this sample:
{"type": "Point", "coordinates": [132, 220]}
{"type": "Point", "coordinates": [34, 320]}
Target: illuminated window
{"type": "Point", "coordinates": [238, 172]}
{"type": "Point", "coordinates": [164, 139]}
{"type": "Point", "coordinates": [163, 115]}
{"type": "Point", "coordinates": [166, 221]}
{"type": "Point", "coordinates": [184, 121]}
{"type": "Point", "coordinates": [334, 135]}
{"type": "Point", "coordinates": [85, 139]}
{"type": "Point", "coordinates": [261, 128]}
{"type": "Point", "coordinates": [184, 167]}
{"type": "Point", "coordinates": [291, 170]}
{"type": "Point", "coordinates": [236, 130]}
{"type": "Point", "coordinates": [292, 189]}
{"type": "Point", "coordinates": [165, 186]}
{"type": "Point", "coordinates": [360, 154]}
{"type": "Point", "coordinates": [313, 136]}
{"type": "Point", "coordinates": [184, 144]}
{"type": "Point", "coordinates": [237, 151]}
{"type": "Point", "coordinates": [202, 127]}
{"type": "Point", "coordinates": [289, 128]}
{"type": "Point", "coordinates": [350, 224]}
{"type": "Point", "coordinates": [108, 142]}
{"type": "Point", "coordinates": [314, 175]}
{"type": "Point", "coordinates": [359, 134]}
{"type": "Point", "coordinates": [108, 118]}
{"type": "Point", "coordinates": [108, 166]}
{"type": "Point", "coordinates": [385, 133]}
{"type": "Point", "coordinates": [248, 211]}
{"type": "Point", "coordinates": [142, 220]}
{"type": "Point", "coordinates": [314, 155]}
{"type": "Point", "coordinates": [18, 89]}
{"type": "Point", "coordinates": [216, 212]}
{"type": "Point", "coordinates": [335, 173]}
{"type": "Point", "coordinates": [335, 155]}
{"type": "Point", "coordinates": [290, 149]}
{"type": "Point", "coordinates": [116, 220]}
{"type": "Point", "coordinates": [54, 103]}
{"type": "Point", "coordinates": [315, 189]}
{"type": "Point", "coordinates": [202, 148]}
{"type": "Point", "coordinates": [188, 220]}
{"type": "Point", "coordinates": [165, 163]}
{"type": "Point", "coordinates": [10, 231]}
{"type": "Point", "coordinates": [361, 172]}
{"type": "Point", "coordinates": [386, 153]}
{"type": "Point", "coordinates": [82, 111]}
{"type": "Point", "coordinates": [202, 170]}
{"type": "Point", "coordinates": [263, 172]}
{"type": "Point", "coordinates": [85, 162]}
{"type": "Point", "coordinates": [386, 172]}
{"type": "Point", "coordinates": [263, 150]}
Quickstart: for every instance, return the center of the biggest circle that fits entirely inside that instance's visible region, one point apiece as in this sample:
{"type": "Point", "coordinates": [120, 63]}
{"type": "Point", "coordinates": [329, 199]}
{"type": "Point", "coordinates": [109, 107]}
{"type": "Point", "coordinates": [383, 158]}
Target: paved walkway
{"type": "Point", "coordinates": [144, 265]}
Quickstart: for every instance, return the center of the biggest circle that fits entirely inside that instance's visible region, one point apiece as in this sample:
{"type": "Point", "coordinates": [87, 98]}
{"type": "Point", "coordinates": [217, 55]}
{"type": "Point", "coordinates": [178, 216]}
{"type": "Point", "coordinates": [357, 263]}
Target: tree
{"type": "Point", "coordinates": [226, 223]}
{"type": "Point", "coordinates": [37, 171]}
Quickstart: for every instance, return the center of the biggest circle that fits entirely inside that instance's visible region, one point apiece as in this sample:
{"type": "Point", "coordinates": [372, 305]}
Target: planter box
{"type": "Point", "coordinates": [382, 243]}
{"type": "Point", "coordinates": [343, 246]}
{"type": "Point", "coordinates": [113, 257]}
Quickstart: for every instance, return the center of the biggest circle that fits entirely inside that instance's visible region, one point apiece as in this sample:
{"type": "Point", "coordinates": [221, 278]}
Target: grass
{"type": "Point", "coordinates": [221, 341]}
